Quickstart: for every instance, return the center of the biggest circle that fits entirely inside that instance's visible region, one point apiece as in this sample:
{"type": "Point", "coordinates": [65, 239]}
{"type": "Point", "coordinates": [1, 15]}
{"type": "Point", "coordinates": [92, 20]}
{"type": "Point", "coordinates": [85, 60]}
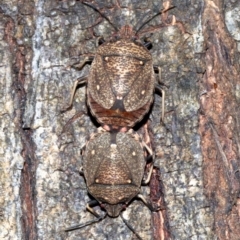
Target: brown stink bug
{"type": "Point", "coordinates": [113, 167]}
{"type": "Point", "coordinates": [122, 80]}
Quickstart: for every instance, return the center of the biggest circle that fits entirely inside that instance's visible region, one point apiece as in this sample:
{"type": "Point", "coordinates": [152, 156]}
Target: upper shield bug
{"type": "Point", "coordinates": [113, 167]}
{"type": "Point", "coordinates": [121, 81]}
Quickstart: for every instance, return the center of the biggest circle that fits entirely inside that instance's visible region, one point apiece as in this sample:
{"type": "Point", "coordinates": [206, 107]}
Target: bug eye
{"type": "Point", "coordinates": [101, 41]}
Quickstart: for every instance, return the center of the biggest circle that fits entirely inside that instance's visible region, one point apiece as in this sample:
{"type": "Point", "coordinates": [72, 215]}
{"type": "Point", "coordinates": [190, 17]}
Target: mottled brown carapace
{"type": "Point", "coordinates": [113, 166]}
{"type": "Point", "coordinates": [121, 80]}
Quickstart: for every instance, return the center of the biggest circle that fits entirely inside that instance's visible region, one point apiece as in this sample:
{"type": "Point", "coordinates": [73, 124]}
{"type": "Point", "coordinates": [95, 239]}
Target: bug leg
{"type": "Point", "coordinates": [99, 41]}
{"type": "Point", "coordinates": [79, 81]}
{"type": "Point", "coordinates": [158, 72]}
{"type": "Point", "coordinates": [149, 204]}
{"type": "Point", "coordinates": [139, 139]}
{"type": "Point", "coordinates": [151, 155]}
{"type": "Point", "coordinates": [147, 43]}
{"type": "Point", "coordinates": [160, 90]}
{"type": "Point", "coordinates": [81, 171]}
{"type": "Point", "coordinates": [80, 65]}
{"type": "Point", "coordinates": [89, 208]}
{"type": "Point", "coordinates": [163, 101]}
{"type": "Point", "coordinates": [149, 150]}
{"type": "Point", "coordinates": [71, 120]}
{"type": "Point", "coordinates": [147, 180]}
{"type": "Point", "coordinates": [130, 226]}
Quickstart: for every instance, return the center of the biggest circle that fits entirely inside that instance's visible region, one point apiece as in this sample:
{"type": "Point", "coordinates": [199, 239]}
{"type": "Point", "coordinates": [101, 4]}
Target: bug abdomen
{"type": "Point", "coordinates": [117, 116]}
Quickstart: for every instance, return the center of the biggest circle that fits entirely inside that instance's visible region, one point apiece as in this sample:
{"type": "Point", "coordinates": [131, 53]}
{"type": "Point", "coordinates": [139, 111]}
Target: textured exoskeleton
{"type": "Point", "coordinates": [121, 82]}
{"type": "Point", "coordinates": [113, 167]}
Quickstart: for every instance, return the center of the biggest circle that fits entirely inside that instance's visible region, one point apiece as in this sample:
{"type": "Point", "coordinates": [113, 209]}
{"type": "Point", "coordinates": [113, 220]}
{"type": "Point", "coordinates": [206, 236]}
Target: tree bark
{"type": "Point", "coordinates": [196, 177]}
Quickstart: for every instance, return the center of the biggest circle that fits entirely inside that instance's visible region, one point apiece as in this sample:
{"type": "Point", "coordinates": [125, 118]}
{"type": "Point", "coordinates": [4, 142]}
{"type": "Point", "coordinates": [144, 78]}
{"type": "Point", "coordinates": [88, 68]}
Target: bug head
{"type": "Point", "coordinates": [126, 32]}
{"type": "Point", "coordinates": [113, 210]}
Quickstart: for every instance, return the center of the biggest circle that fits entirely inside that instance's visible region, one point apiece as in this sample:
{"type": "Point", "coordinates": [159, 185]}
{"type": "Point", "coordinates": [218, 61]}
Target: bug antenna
{"type": "Point", "coordinates": [150, 19]}
{"type": "Point", "coordinates": [130, 227]}
{"type": "Point", "coordinates": [72, 228]}
{"type": "Point", "coordinates": [102, 14]}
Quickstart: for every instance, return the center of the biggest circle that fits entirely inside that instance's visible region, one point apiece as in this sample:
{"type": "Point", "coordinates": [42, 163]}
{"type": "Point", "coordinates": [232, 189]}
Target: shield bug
{"type": "Point", "coordinates": [113, 167]}
{"type": "Point", "coordinates": [121, 81]}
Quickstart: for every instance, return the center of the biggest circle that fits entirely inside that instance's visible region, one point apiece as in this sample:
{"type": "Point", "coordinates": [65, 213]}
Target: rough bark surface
{"type": "Point", "coordinates": [197, 176]}
{"type": "Point", "coordinates": [219, 120]}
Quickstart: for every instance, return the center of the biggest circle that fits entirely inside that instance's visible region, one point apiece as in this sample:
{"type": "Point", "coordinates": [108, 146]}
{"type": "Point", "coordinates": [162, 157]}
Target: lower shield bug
{"type": "Point", "coordinates": [122, 80]}
{"type": "Point", "coordinates": [113, 167]}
